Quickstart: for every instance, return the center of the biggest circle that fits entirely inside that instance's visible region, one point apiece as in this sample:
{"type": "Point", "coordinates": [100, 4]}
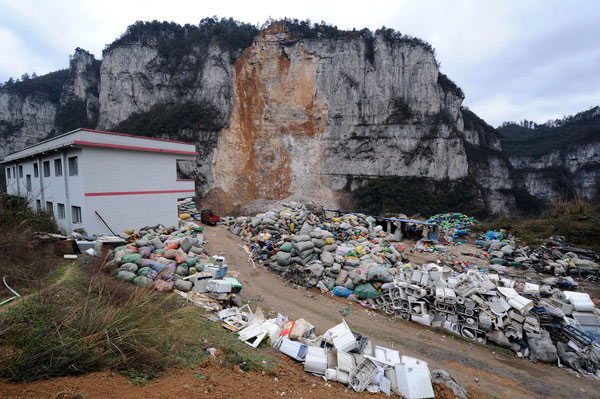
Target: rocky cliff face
{"type": "Point", "coordinates": [564, 173]}
{"type": "Point", "coordinates": [313, 117]}
{"type": "Point", "coordinates": [41, 107]}
{"type": "Point", "coordinates": [135, 77]}
{"type": "Point", "coordinates": [286, 115]}
{"type": "Point", "coordinates": [25, 119]}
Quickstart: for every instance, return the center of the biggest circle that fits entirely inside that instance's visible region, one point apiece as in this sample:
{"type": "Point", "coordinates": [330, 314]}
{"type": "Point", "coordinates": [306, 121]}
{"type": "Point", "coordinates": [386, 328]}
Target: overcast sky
{"type": "Point", "coordinates": [513, 59]}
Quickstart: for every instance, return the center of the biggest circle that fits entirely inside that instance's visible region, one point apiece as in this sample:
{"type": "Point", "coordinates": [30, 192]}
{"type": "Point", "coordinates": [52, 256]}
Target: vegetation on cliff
{"type": "Point", "coordinates": [48, 86]}
{"type": "Point", "coordinates": [175, 41]}
{"type": "Point", "coordinates": [411, 195]}
{"type": "Point", "coordinates": [530, 139]}
{"type": "Point", "coordinates": [170, 119]}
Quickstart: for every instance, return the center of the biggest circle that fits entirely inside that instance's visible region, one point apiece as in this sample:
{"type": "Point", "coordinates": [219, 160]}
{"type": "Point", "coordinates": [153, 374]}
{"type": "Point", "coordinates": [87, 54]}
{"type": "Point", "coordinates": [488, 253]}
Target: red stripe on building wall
{"type": "Point", "coordinates": [129, 147]}
{"type": "Point", "coordinates": [138, 192]}
{"type": "Point", "coordinates": [185, 180]}
{"type": "Point", "coordinates": [133, 135]}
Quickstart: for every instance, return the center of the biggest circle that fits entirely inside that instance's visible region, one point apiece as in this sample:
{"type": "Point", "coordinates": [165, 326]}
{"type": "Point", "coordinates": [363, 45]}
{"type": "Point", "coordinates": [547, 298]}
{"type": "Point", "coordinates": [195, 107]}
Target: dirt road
{"type": "Point", "coordinates": [479, 367]}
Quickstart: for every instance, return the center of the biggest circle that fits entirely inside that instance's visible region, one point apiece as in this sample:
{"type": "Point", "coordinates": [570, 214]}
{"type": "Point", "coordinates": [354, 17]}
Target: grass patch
{"type": "Point", "coordinates": [89, 321]}
{"type": "Point", "coordinates": [72, 329]}
{"type": "Point", "coordinates": [202, 334]}
{"type": "Point", "coordinates": [27, 262]}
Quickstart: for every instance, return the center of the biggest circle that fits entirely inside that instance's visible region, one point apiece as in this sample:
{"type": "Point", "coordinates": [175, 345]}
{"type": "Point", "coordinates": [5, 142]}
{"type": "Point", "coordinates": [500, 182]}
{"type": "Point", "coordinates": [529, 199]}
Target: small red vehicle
{"type": "Point", "coordinates": [207, 217]}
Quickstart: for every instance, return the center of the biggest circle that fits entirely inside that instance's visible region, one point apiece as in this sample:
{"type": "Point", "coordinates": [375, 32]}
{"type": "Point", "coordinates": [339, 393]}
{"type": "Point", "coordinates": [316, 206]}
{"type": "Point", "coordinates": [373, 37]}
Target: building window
{"type": "Point", "coordinates": [61, 210]}
{"type": "Point", "coordinates": [73, 166]}
{"type": "Point", "coordinates": [58, 167]}
{"type": "Point", "coordinates": [20, 171]}
{"type": "Point", "coordinates": [38, 205]}
{"type": "Point", "coordinates": [7, 173]}
{"type": "Point", "coordinates": [76, 213]}
{"type": "Point", "coordinates": [36, 172]}
{"type": "Point", "coordinates": [46, 168]}
{"type": "Point", "coordinates": [49, 209]}
{"type": "Point", "coordinates": [28, 182]}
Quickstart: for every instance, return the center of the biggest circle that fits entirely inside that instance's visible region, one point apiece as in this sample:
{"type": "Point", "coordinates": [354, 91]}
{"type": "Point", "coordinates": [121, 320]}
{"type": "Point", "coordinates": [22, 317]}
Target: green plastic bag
{"type": "Point", "coordinates": [287, 247]}
{"type": "Point", "coordinates": [132, 258]}
{"type": "Point", "coordinates": [191, 261]}
{"type": "Point", "coordinates": [367, 290]}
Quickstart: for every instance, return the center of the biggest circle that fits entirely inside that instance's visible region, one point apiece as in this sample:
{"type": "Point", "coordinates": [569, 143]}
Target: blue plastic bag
{"type": "Point", "coordinates": [342, 291]}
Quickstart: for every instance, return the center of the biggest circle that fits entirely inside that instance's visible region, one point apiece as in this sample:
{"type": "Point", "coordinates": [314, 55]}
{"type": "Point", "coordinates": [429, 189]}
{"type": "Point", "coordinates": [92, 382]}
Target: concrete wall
{"type": "Point", "coordinates": [66, 190]}
{"type": "Point", "coordinates": [131, 189]}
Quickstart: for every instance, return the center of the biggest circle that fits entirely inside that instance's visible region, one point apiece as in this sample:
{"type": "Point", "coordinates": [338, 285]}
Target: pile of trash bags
{"type": "Point", "coordinates": [454, 225]}
{"type": "Point", "coordinates": [339, 354]}
{"type": "Point", "coordinates": [168, 259]}
{"type": "Point", "coordinates": [556, 257]}
{"type": "Point", "coordinates": [188, 213]}
{"type": "Point", "coordinates": [349, 250]}
{"type": "Point", "coordinates": [536, 321]}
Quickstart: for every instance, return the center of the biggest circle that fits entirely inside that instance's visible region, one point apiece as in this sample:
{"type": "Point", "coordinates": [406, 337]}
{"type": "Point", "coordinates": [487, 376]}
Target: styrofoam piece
{"type": "Point", "coordinates": [332, 359]}
{"type": "Point", "coordinates": [531, 288]}
{"type": "Point", "coordinates": [293, 349]}
{"type": "Point", "coordinates": [331, 375]}
{"type": "Point", "coordinates": [385, 386]}
{"type": "Point", "coordinates": [521, 304]}
{"type": "Point", "coordinates": [219, 286]}
{"type": "Point", "coordinates": [219, 260]}
{"type": "Point", "coordinates": [225, 313]}
{"type": "Point", "coordinates": [450, 296]}
{"type": "Point", "coordinates": [413, 379]}
{"type": "Point", "coordinates": [416, 276]}
{"type": "Point", "coordinates": [424, 319]}
{"type": "Point", "coordinates": [580, 300]}
{"type": "Point", "coordinates": [499, 306]}
{"type": "Point", "coordinates": [217, 271]}
{"type": "Point", "coordinates": [588, 321]}
{"type": "Point", "coordinates": [341, 336]}
{"type": "Point", "coordinates": [273, 332]}
{"type": "Point", "coordinates": [345, 361]}
{"type": "Point", "coordinates": [316, 360]}
{"type": "Point", "coordinates": [342, 377]}
{"type": "Point", "coordinates": [362, 375]}
{"type": "Point", "coordinates": [452, 327]}
{"type": "Point", "coordinates": [390, 374]}
{"type": "Point", "coordinates": [254, 334]}
{"type": "Point", "coordinates": [386, 355]}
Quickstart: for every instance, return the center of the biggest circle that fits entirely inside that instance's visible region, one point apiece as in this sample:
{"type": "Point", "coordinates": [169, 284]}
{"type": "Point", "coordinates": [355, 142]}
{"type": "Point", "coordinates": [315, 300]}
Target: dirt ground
{"type": "Point", "coordinates": [486, 369]}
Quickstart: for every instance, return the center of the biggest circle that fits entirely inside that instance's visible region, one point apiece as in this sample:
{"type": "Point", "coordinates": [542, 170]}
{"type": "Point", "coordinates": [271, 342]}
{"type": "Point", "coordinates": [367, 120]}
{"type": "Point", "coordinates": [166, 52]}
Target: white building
{"type": "Point", "coordinates": [84, 176]}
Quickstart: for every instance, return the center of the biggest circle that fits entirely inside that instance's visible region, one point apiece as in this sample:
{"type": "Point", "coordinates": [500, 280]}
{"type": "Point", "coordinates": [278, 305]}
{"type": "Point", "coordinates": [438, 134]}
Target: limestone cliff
{"type": "Point", "coordinates": [40, 107]}
{"type": "Point", "coordinates": [567, 173]}
{"type": "Point", "coordinates": [287, 112]}
{"type": "Point", "coordinates": [558, 159]}
{"type": "Point", "coordinates": [312, 117]}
